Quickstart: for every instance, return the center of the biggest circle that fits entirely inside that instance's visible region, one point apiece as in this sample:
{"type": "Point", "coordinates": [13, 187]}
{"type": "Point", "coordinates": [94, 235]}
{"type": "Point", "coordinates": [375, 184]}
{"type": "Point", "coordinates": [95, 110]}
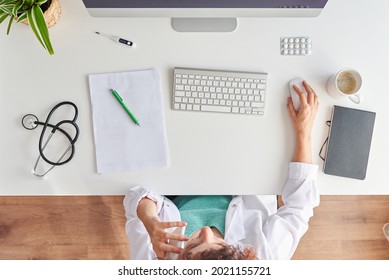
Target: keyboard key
{"type": "Point", "coordinates": [210, 108]}
{"type": "Point", "coordinates": [256, 104]}
{"type": "Point", "coordinates": [261, 86]}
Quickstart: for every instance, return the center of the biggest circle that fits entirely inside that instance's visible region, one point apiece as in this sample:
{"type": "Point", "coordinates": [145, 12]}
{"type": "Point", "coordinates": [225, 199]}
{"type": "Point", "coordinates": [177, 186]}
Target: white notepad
{"type": "Point", "coordinates": [120, 144]}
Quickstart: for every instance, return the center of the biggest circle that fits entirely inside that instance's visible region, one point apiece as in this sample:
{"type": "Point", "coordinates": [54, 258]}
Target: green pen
{"type": "Point", "coordinates": [117, 96]}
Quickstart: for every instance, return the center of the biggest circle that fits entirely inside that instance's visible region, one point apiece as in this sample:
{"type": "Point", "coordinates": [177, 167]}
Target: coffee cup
{"type": "Point", "coordinates": [345, 84]}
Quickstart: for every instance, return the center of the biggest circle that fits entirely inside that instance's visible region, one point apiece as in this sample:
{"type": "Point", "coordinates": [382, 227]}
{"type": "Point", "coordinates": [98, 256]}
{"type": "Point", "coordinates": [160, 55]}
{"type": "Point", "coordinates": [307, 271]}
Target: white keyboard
{"type": "Point", "coordinates": [219, 91]}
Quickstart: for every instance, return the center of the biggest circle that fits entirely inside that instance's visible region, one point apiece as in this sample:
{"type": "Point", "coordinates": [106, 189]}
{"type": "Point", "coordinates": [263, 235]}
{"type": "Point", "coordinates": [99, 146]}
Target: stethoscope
{"type": "Point", "coordinates": [31, 122]}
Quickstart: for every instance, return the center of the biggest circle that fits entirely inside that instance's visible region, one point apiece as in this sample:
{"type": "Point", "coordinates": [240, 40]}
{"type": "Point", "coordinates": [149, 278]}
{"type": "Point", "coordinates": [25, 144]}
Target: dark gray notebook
{"type": "Point", "coordinates": [349, 142]}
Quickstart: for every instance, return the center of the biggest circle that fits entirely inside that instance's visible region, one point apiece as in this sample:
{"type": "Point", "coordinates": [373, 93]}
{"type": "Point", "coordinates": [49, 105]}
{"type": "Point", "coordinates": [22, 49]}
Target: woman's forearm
{"type": "Point", "coordinates": [303, 150]}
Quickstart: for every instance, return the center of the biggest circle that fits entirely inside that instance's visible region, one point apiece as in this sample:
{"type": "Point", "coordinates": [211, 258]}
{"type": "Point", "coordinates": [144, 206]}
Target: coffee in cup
{"type": "Point", "coordinates": [346, 83]}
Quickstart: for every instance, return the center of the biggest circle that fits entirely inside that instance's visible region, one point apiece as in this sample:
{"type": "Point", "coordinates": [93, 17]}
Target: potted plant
{"type": "Point", "coordinates": [39, 14]}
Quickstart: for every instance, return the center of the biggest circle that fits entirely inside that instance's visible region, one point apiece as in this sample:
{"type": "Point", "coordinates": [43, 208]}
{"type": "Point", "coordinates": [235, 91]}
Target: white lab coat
{"type": "Point", "coordinates": [249, 220]}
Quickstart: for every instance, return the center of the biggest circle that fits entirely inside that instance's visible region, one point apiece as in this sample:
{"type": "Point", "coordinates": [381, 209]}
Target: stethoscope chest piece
{"type": "Point", "coordinates": [31, 122]}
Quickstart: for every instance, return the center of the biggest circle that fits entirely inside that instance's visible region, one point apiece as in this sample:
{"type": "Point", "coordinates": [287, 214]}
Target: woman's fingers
{"type": "Point", "coordinates": [169, 248]}
{"type": "Point", "coordinates": [164, 235]}
{"type": "Point", "coordinates": [173, 224]}
{"type": "Point", "coordinates": [176, 236]}
{"type": "Point", "coordinates": [292, 111]}
{"type": "Point", "coordinates": [311, 94]}
{"type": "Point", "coordinates": [301, 95]}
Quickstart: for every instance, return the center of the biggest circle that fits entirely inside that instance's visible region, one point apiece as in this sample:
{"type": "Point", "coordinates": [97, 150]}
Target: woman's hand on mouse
{"type": "Point", "coordinates": [303, 121]}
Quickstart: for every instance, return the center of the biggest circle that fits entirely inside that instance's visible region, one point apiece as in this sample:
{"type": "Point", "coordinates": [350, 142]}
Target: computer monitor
{"type": "Point", "coordinates": [204, 15]}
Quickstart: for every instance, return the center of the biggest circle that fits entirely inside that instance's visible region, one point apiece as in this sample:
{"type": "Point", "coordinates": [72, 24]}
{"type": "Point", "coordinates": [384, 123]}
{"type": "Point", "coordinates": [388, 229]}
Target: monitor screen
{"type": "Point", "coordinates": [204, 15]}
{"type": "Point", "coordinates": [205, 3]}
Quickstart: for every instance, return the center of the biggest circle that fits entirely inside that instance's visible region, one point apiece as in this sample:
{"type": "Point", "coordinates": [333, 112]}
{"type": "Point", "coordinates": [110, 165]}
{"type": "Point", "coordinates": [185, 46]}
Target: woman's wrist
{"type": "Point", "coordinates": [303, 151]}
{"type": "Point", "coordinates": [303, 136]}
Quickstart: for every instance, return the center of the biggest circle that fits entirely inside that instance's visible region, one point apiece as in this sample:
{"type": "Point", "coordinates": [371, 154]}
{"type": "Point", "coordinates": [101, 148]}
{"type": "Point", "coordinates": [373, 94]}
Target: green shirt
{"type": "Point", "coordinates": [203, 210]}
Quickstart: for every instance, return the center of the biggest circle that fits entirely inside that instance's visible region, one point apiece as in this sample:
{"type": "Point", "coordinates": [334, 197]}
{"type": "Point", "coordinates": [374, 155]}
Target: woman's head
{"type": "Point", "coordinates": [205, 245]}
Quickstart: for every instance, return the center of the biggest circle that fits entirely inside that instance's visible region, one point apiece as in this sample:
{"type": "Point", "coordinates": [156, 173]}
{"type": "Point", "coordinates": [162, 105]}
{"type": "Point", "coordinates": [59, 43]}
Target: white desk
{"type": "Point", "coordinates": [210, 153]}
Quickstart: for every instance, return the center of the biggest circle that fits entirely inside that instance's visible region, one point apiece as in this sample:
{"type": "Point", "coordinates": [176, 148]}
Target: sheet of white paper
{"type": "Point", "coordinates": [120, 144]}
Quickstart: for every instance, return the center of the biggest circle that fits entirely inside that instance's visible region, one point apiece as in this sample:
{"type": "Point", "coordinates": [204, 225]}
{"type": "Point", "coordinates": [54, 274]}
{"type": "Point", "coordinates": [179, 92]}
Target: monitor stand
{"type": "Point", "coordinates": [204, 24]}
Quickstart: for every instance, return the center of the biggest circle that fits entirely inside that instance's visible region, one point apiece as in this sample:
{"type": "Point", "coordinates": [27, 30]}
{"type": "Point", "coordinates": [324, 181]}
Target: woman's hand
{"type": "Point", "coordinates": [147, 213]}
{"type": "Point", "coordinates": [303, 122]}
{"type": "Point", "coordinates": [160, 238]}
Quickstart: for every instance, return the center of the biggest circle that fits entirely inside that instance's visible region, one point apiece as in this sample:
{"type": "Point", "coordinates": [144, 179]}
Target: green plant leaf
{"type": "Point", "coordinates": [7, 8]}
{"type": "Point", "coordinates": [2, 13]}
{"type": "Point", "coordinates": [29, 2]}
{"type": "Point", "coordinates": [40, 2]}
{"type": "Point", "coordinates": [16, 8]}
{"type": "Point", "coordinates": [3, 17]}
{"type": "Point", "coordinates": [22, 17]}
{"type": "Point", "coordinates": [38, 25]}
{"type": "Point", "coordinates": [11, 19]}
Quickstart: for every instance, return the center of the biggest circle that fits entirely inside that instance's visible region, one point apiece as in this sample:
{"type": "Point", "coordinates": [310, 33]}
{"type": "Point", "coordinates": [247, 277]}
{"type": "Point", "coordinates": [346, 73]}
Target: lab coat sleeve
{"type": "Point", "coordinates": [140, 243]}
{"type": "Point", "coordinates": [284, 229]}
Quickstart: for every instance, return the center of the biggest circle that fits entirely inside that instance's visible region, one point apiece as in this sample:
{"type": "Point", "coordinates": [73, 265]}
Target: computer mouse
{"type": "Point", "coordinates": [295, 98]}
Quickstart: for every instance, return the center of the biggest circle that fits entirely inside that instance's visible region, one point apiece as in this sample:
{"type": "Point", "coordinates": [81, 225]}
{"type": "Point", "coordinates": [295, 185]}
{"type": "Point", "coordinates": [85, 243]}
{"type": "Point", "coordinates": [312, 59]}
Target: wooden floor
{"type": "Point", "coordinates": [344, 227]}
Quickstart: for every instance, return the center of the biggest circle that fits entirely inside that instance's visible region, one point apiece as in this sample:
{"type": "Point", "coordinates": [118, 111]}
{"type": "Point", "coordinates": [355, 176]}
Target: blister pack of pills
{"type": "Point", "coordinates": [295, 45]}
